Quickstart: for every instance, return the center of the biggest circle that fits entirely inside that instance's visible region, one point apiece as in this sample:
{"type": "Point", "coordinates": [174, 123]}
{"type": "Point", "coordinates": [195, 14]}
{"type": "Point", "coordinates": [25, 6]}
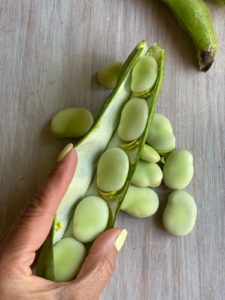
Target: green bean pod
{"type": "Point", "coordinates": [102, 138]}
{"type": "Point", "coordinates": [194, 16]}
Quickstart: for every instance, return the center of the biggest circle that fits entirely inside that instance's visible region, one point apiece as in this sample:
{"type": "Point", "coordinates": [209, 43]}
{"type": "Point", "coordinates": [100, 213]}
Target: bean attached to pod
{"type": "Point", "coordinates": [160, 135]}
{"type": "Point", "coordinates": [144, 76]}
{"type": "Point", "coordinates": [147, 174]}
{"type": "Point", "coordinates": [180, 214]}
{"type": "Point", "coordinates": [90, 218]}
{"type": "Point", "coordinates": [140, 202]}
{"type": "Point", "coordinates": [68, 255]}
{"type": "Point", "coordinates": [150, 154]}
{"type": "Point", "coordinates": [71, 122]}
{"type": "Point", "coordinates": [133, 119]}
{"type": "Point", "coordinates": [108, 75]}
{"type": "Point", "coordinates": [112, 170]}
{"type": "Point", "coordinates": [178, 170]}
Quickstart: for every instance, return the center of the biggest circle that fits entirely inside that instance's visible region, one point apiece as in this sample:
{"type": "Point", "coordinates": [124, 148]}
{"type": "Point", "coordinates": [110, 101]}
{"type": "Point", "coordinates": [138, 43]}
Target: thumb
{"type": "Point", "coordinates": [99, 264]}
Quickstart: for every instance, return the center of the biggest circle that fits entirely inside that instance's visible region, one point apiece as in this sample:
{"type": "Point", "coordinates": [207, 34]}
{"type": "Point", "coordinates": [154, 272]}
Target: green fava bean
{"type": "Point", "coordinates": [108, 75]}
{"type": "Point", "coordinates": [150, 154]}
{"type": "Point", "coordinates": [144, 75]}
{"type": "Point", "coordinates": [68, 256]}
{"type": "Point", "coordinates": [160, 135]}
{"type": "Point", "coordinates": [147, 174]}
{"type": "Point", "coordinates": [71, 122]}
{"type": "Point", "coordinates": [178, 170]}
{"type": "Point", "coordinates": [133, 119]}
{"type": "Point", "coordinates": [180, 214]}
{"type": "Point", "coordinates": [140, 202]}
{"type": "Point", "coordinates": [90, 218]}
{"type": "Point", "coordinates": [112, 170]}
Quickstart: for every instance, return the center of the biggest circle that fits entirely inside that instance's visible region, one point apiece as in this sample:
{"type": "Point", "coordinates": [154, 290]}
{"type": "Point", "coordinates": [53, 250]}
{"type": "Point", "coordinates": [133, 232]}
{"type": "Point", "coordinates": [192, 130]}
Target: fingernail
{"type": "Point", "coordinates": [65, 151]}
{"type": "Point", "coordinates": [120, 240]}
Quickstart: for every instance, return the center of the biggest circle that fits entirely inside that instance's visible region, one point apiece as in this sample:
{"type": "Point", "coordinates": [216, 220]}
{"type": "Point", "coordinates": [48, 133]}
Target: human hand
{"type": "Point", "coordinates": [18, 249]}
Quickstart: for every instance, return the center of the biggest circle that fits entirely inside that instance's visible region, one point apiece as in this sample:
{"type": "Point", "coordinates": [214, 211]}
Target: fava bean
{"type": "Point", "coordinates": [71, 122]}
{"type": "Point", "coordinates": [140, 202]}
{"type": "Point", "coordinates": [68, 255]}
{"type": "Point", "coordinates": [178, 169]}
{"type": "Point", "coordinates": [90, 218]}
{"type": "Point", "coordinates": [108, 75]}
{"type": "Point", "coordinates": [160, 135]}
{"type": "Point", "coordinates": [180, 214]}
{"type": "Point", "coordinates": [144, 75]}
{"type": "Point", "coordinates": [150, 154]}
{"type": "Point", "coordinates": [133, 119]}
{"type": "Point", "coordinates": [147, 174]}
{"type": "Point", "coordinates": [112, 170]}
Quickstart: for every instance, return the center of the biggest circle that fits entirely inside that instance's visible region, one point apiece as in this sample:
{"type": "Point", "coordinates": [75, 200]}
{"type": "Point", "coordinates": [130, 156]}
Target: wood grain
{"type": "Point", "coordinates": [49, 51]}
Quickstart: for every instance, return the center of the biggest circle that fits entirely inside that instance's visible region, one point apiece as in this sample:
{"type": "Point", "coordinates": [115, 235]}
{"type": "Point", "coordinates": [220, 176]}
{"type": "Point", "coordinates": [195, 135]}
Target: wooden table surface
{"type": "Point", "coordinates": [49, 51]}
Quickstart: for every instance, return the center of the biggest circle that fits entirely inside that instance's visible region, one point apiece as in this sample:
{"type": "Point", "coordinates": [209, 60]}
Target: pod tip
{"type": "Point", "coordinates": [206, 59]}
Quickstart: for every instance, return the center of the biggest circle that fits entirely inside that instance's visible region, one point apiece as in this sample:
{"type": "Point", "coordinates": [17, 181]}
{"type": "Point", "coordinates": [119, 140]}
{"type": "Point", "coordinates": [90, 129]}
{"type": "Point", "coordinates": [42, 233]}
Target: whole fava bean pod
{"type": "Point", "coordinates": [68, 255]}
{"type": "Point", "coordinates": [90, 218]}
{"type": "Point", "coordinates": [178, 170]}
{"type": "Point", "coordinates": [108, 75]}
{"type": "Point", "coordinates": [71, 122]}
{"type": "Point", "coordinates": [160, 135]}
{"type": "Point", "coordinates": [150, 154]}
{"type": "Point", "coordinates": [112, 170]}
{"type": "Point", "coordinates": [194, 16]}
{"type": "Point", "coordinates": [147, 174]}
{"type": "Point", "coordinates": [140, 202]}
{"type": "Point", "coordinates": [180, 214]}
{"type": "Point", "coordinates": [144, 75]}
{"type": "Point", "coordinates": [133, 119]}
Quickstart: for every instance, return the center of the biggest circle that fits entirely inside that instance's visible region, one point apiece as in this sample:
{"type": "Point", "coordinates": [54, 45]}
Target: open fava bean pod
{"type": "Point", "coordinates": [91, 181]}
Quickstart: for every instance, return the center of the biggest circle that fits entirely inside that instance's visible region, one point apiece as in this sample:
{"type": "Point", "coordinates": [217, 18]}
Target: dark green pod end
{"type": "Point", "coordinates": [205, 60]}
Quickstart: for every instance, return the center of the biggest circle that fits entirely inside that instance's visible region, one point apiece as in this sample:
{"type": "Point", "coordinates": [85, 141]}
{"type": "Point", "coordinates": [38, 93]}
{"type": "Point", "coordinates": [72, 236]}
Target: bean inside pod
{"type": "Point", "coordinates": [68, 256]}
{"type": "Point", "coordinates": [133, 119]}
{"type": "Point", "coordinates": [144, 75]}
{"type": "Point", "coordinates": [112, 170]}
{"type": "Point", "coordinates": [90, 218]}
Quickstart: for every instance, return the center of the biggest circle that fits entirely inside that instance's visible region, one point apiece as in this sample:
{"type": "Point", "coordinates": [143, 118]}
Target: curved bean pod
{"type": "Point", "coordinates": [194, 16]}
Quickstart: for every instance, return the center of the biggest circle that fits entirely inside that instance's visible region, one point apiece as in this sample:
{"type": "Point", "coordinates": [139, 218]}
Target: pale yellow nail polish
{"type": "Point", "coordinates": [65, 151]}
{"type": "Point", "coordinates": [120, 240]}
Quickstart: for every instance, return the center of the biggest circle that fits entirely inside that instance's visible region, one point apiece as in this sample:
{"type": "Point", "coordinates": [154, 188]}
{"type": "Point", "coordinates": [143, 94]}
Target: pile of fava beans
{"type": "Point", "coordinates": [160, 163]}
